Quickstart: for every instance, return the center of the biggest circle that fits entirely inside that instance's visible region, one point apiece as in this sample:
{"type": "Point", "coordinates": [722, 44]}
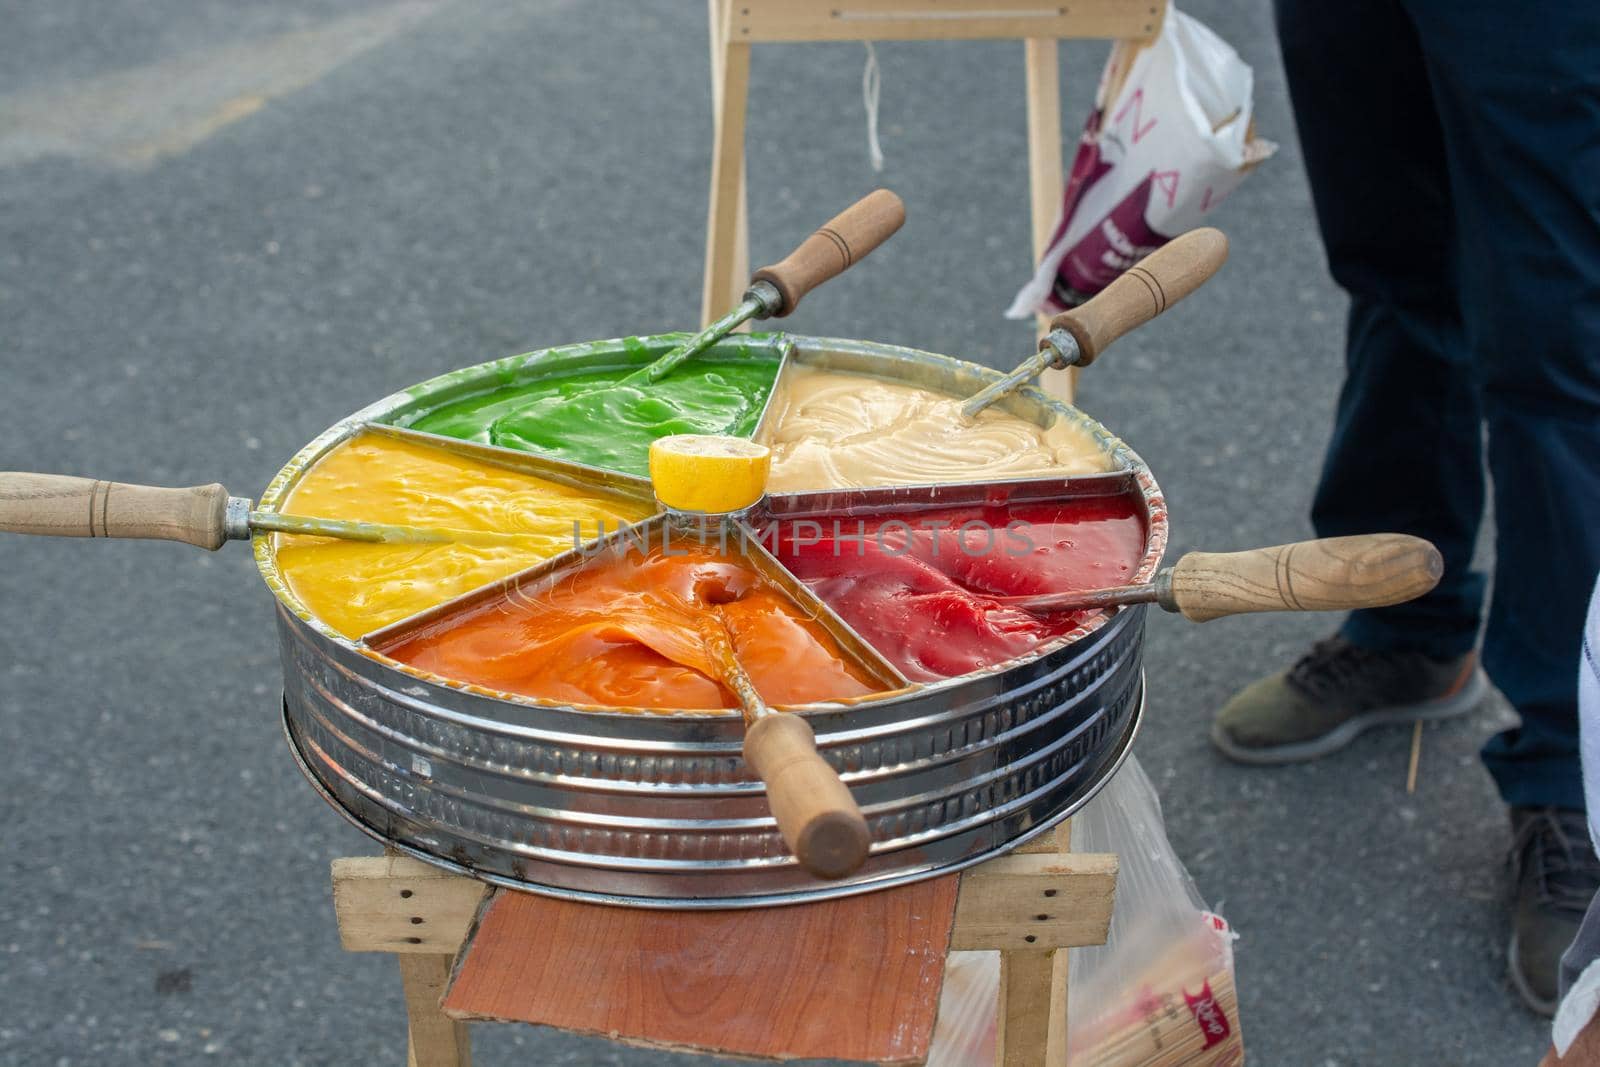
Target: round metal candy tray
{"type": "Point", "coordinates": [658, 809]}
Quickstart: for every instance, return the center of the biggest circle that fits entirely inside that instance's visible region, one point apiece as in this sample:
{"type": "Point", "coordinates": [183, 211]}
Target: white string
{"type": "Point", "coordinates": [871, 80]}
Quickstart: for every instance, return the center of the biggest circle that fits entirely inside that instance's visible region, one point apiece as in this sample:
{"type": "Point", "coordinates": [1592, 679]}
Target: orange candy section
{"type": "Point", "coordinates": [625, 632]}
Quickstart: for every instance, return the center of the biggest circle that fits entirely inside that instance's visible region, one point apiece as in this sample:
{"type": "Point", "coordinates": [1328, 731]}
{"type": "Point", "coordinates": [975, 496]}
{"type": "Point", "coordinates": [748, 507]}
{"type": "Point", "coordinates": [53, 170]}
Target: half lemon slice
{"type": "Point", "coordinates": [708, 473]}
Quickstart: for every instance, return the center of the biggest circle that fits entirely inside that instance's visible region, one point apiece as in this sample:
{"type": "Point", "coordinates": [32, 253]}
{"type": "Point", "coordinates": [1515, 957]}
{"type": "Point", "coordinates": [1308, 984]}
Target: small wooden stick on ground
{"type": "Point", "coordinates": [1416, 754]}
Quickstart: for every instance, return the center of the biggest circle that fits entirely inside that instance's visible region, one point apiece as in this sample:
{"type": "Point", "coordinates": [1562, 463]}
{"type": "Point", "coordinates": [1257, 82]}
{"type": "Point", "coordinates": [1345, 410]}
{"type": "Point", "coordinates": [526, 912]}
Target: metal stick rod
{"type": "Point", "coordinates": [1030, 368]}
{"type": "Point", "coordinates": [1083, 600]}
{"type": "Point", "coordinates": [374, 532]}
{"type": "Point", "coordinates": [730, 672]}
{"type": "Point", "coordinates": [760, 300]}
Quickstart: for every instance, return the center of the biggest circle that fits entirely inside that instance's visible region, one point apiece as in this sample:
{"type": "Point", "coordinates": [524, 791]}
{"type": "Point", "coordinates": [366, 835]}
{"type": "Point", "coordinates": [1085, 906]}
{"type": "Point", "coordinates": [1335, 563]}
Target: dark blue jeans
{"type": "Point", "coordinates": [1454, 154]}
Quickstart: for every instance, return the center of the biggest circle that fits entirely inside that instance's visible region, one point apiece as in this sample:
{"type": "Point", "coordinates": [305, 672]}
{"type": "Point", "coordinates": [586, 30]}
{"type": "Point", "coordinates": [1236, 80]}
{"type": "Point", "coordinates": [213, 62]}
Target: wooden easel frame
{"type": "Point", "coordinates": [738, 24]}
{"type": "Point", "coordinates": [1030, 906]}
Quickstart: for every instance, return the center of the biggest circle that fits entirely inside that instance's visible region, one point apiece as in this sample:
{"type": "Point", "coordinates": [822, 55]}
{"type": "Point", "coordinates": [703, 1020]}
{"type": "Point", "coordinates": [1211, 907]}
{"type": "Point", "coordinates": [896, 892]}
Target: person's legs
{"type": "Point", "coordinates": [1518, 93]}
{"type": "Point", "coordinates": [1406, 450]}
{"type": "Point", "coordinates": [1517, 89]}
{"type": "Point", "coordinates": [1406, 457]}
{"type": "Point", "coordinates": [1405, 454]}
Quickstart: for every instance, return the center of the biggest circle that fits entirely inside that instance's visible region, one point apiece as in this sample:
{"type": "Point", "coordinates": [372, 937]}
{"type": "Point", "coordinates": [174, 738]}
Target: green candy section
{"type": "Point", "coordinates": [592, 417]}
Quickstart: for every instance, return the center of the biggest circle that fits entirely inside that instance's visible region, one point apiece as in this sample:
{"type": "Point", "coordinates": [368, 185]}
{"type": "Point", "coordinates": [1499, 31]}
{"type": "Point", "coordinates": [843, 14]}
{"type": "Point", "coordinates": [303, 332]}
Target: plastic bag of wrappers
{"type": "Point", "coordinates": [1158, 993]}
{"type": "Point", "coordinates": [1170, 137]}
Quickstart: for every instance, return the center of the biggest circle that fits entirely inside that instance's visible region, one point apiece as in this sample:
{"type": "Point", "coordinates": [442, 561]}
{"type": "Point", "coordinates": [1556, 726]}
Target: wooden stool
{"type": "Point", "coordinates": [1029, 905]}
{"type": "Point", "coordinates": [1040, 24]}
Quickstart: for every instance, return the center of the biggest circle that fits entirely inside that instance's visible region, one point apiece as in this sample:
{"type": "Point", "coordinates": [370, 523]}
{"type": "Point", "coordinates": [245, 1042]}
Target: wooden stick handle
{"type": "Point", "coordinates": [1333, 574]}
{"type": "Point", "coordinates": [59, 505]}
{"type": "Point", "coordinates": [1143, 291]}
{"type": "Point", "coordinates": [816, 814]}
{"type": "Point", "coordinates": [841, 242]}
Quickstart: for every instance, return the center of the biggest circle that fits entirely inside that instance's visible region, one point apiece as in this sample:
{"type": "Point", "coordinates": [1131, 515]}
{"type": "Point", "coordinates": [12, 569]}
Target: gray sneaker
{"type": "Point", "coordinates": [1334, 692]}
{"type": "Point", "coordinates": [1556, 873]}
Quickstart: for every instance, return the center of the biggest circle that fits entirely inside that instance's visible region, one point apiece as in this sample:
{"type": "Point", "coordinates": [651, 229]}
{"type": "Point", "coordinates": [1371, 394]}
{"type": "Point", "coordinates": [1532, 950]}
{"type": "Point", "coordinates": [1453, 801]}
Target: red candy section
{"type": "Point", "coordinates": [919, 586]}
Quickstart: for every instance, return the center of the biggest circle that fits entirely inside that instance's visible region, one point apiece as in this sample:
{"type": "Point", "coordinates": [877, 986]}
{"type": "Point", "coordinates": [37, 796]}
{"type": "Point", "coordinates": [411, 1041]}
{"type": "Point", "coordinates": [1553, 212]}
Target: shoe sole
{"type": "Point", "coordinates": [1533, 1001]}
{"type": "Point", "coordinates": [1450, 707]}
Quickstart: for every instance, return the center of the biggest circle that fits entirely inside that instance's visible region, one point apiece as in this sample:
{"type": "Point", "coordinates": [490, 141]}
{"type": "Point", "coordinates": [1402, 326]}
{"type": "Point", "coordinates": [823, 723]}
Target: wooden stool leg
{"type": "Point", "coordinates": [1044, 137]}
{"type": "Point", "coordinates": [739, 273]}
{"type": "Point", "coordinates": [1045, 172]}
{"type": "Point", "coordinates": [434, 1039]}
{"type": "Point", "coordinates": [727, 248]}
{"type": "Point", "coordinates": [1032, 1029]}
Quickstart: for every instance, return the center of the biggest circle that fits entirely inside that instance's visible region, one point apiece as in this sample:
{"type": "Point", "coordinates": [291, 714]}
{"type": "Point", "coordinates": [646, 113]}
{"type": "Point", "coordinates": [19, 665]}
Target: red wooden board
{"type": "Point", "coordinates": [851, 979]}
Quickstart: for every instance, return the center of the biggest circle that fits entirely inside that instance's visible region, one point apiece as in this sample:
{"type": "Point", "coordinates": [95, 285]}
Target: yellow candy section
{"type": "Point", "coordinates": [837, 430]}
{"type": "Point", "coordinates": [356, 588]}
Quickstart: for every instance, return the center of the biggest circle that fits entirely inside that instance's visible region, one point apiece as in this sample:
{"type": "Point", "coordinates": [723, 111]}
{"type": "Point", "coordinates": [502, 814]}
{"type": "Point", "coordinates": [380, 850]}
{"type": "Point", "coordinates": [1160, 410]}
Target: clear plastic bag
{"type": "Point", "coordinates": [1158, 993]}
{"type": "Point", "coordinates": [1170, 137]}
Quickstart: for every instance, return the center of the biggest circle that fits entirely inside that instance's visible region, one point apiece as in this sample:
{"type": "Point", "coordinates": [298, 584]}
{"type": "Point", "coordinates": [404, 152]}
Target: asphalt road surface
{"type": "Point", "coordinates": [224, 225]}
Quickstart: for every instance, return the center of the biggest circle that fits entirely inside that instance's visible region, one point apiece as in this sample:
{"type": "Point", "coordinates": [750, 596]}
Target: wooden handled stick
{"type": "Point", "coordinates": [1133, 298]}
{"type": "Point", "coordinates": [1333, 574]}
{"type": "Point", "coordinates": [64, 506]}
{"type": "Point", "coordinates": [816, 814]}
{"type": "Point", "coordinates": [776, 290]}
{"type": "Point", "coordinates": [818, 818]}
{"type": "Point", "coordinates": [1143, 291]}
{"type": "Point", "coordinates": [834, 247]}
{"type": "Point", "coordinates": [205, 515]}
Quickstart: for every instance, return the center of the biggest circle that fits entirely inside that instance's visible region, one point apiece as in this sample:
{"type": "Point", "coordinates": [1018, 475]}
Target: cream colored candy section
{"type": "Point", "coordinates": [839, 430]}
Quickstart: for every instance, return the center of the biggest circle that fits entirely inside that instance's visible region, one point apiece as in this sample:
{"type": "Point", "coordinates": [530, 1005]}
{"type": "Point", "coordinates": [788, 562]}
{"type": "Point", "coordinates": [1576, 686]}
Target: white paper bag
{"type": "Point", "coordinates": [1169, 139]}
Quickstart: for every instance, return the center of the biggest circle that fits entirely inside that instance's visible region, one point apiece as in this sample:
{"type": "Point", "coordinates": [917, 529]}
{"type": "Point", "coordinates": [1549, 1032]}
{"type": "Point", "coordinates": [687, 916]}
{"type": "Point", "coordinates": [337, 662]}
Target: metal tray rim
{"type": "Point", "coordinates": [824, 891]}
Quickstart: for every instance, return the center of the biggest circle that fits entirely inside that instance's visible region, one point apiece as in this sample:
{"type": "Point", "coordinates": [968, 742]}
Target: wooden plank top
{"type": "Point", "coordinates": [851, 979]}
{"type": "Point", "coordinates": [878, 20]}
